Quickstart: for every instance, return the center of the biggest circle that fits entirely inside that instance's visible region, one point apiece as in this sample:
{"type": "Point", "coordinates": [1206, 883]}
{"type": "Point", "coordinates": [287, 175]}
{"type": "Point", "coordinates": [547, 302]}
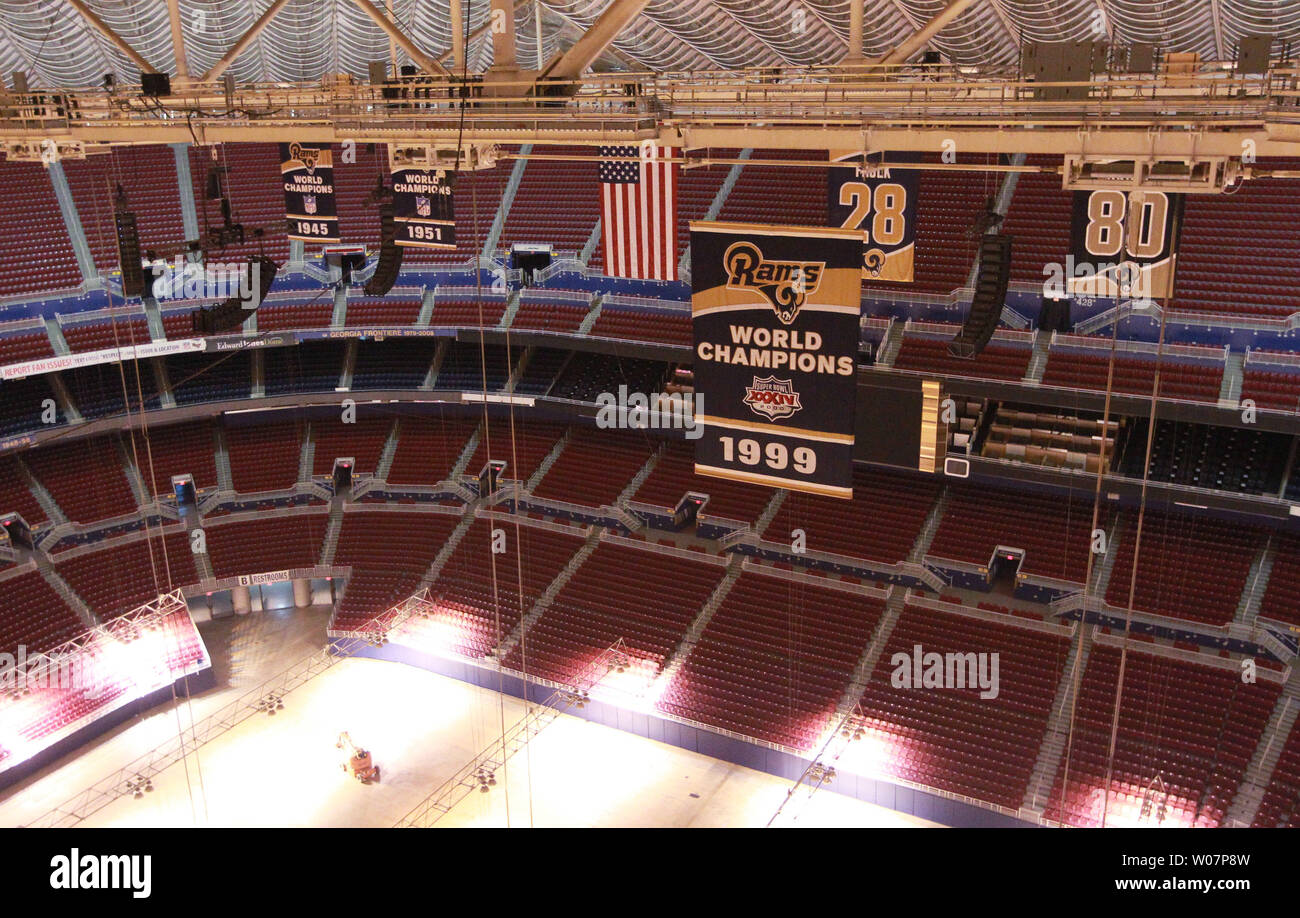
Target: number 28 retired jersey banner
{"type": "Point", "coordinates": [775, 314]}
{"type": "Point", "coordinates": [307, 172]}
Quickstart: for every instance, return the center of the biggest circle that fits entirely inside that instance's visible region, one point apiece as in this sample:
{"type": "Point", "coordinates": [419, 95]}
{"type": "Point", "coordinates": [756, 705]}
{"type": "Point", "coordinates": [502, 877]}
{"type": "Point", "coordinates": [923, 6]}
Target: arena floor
{"type": "Point", "coordinates": [284, 770]}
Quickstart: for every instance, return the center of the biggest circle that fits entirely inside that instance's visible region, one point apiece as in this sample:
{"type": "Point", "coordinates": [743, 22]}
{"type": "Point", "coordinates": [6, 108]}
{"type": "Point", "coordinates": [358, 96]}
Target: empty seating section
{"type": "Point", "coordinates": [473, 367]}
{"type": "Point", "coordinates": [147, 174]}
{"type": "Point", "coordinates": [264, 457]}
{"type": "Point", "coordinates": [1193, 381]}
{"type": "Point", "coordinates": [362, 440]}
{"type": "Point", "coordinates": [522, 448]}
{"type": "Point", "coordinates": [930, 355]}
{"type": "Point", "coordinates": [1194, 726]}
{"type": "Point", "coordinates": [427, 448]}
{"type": "Point", "coordinates": [1281, 599]}
{"type": "Point", "coordinates": [397, 364]}
{"type": "Point", "coordinates": [645, 598]}
{"type": "Point", "coordinates": [1280, 807]}
{"type": "Point", "coordinates": [313, 366]}
{"type": "Point", "coordinates": [1222, 458]}
{"type": "Point", "coordinates": [1055, 532]}
{"type": "Point", "coordinates": [952, 738]}
{"type": "Point", "coordinates": [1271, 386]}
{"type": "Point", "coordinates": [256, 197]}
{"type": "Point", "coordinates": [23, 346]}
{"type": "Point", "coordinates": [1237, 253]}
{"type": "Point", "coordinates": [1061, 439]}
{"type": "Point", "coordinates": [880, 523]}
{"type": "Point", "coordinates": [465, 309]}
{"type": "Point", "coordinates": [277, 543]}
{"type": "Point", "coordinates": [24, 403]}
{"type": "Point", "coordinates": [382, 312]}
{"type": "Point", "coordinates": [107, 388]}
{"type": "Point", "coordinates": [279, 316]}
{"type": "Point", "coordinates": [86, 478]}
{"type": "Point", "coordinates": [774, 660]}
{"type": "Point", "coordinates": [543, 365]}
{"type": "Point", "coordinates": [16, 496]}
{"type": "Point", "coordinates": [557, 203]}
{"type": "Point", "coordinates": [1191, 567]}
{"type": "Point", "coordinates": [550, 316]}
{"type": "Point", "coordinates": [946, 209]}
{"type": "Point", "coordinates": [674, 474]}
{"type": "Point", "coordinates": [480, 612]}
{"type": "Point", "coordinates": [662, 325]}
{"type": "Point", "coordinates": [209, 378]}
{"type": "Point", "coordinates": [1039, 221]}
{"type": "Point", "coordinates": [100, 335]}
{"type": "Point", "coordinates": [35, 615]}
{"type": "Point", "coordinates": [594, 468]}
{"type": "Point", "coordinates": [388, 554]}
{"type": "Point", "coordinates": [182, 449]}
{"type": "Point", "coordinates": [25, 189]}
{"type": "Point", "coordinates": [178, 324]}
{"type": "Point", "coordinates": [588, 375]}
{"type": "Point", "coordinates": [353, 183]}
{"type": "Point", "coordinates": [696, 189]}
{"type": "Point", "coordinates": [791, 195]}
{"type": "Point", "coordinates": [118, 578]}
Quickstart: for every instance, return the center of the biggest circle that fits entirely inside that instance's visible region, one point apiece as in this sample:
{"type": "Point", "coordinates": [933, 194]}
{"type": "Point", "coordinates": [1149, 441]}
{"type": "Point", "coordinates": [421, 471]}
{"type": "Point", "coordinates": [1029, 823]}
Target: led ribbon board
{"type": "Point", "coordinates": [1124, 244]}
{"type": "Point", "coordinates": [775, 315]}
{"type": "Point", "coordinates": [423, 209]}
{"type": "Point", "coordinates": [880, 201]}
{"type": "Point", "coordinates": [307, 173]}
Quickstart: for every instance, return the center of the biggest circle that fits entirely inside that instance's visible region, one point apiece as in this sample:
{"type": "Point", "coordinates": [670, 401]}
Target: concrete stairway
{"type": "Point", "coordinates": [1052, 750]}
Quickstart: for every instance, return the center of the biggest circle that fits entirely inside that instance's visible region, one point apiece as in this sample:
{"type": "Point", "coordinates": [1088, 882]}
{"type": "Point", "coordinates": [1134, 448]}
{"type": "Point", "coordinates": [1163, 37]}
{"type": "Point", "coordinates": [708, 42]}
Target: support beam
{"type": "Point", "coordinates": [178, 41]}
{"type": "Point", "coordinates": [102, 27]}
{"type": "Point", "coordinates": [244, 41]}
{"type": "Point", "coordinates": [422, 60]}
{"type": "Point", "coordinates": [932, 28]}
{"type": "Point", "coordinates": [857, 13]}
{"type": "Point", "coordinates": [457, 36]}
{"type": "Point", "coordinates": [617, 16]}
{"type": "Point", "coordinates": [474, 35]}
{"type": "Point", "coordinates": [502, 20]}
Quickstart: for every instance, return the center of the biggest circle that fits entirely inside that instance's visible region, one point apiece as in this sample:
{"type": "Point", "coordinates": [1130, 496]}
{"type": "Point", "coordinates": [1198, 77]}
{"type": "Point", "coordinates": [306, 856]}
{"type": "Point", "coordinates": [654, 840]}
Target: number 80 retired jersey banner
{"type": "Point", "coordinates": [775, 314]}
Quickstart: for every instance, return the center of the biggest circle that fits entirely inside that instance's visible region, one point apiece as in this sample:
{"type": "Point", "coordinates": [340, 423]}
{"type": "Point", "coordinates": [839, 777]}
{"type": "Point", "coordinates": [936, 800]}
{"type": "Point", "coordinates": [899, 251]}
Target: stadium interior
{"type": "Point", "coordinates": [391, 486]}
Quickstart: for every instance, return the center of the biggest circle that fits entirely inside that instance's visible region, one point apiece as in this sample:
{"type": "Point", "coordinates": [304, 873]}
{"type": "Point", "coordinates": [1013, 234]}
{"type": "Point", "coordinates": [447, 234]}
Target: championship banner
{"type": "Point", "coordinates": [307, 173]}
{"type": "Point", "coordinates": [775, 314]}
{"type": "Point", "coordinates": [423, 209]}
{"type": "Point", "coordinates": [881, 202]}
{"type": "Point", "coordinates": [1104, 263]}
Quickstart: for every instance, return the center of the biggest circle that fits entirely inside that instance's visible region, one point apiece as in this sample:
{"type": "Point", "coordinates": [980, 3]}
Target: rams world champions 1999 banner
{"type": "Point", "coordinates": [775, 314]}
{"type": "Point", "coordinates": [423, 209]}
{"type": "Point", "coordinates": [307, 173]}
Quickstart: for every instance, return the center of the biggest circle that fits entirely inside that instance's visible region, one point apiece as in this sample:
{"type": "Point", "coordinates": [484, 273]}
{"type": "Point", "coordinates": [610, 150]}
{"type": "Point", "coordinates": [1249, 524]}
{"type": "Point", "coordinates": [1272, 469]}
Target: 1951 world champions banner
{"type": "Point", "coordinates": [775, 314]}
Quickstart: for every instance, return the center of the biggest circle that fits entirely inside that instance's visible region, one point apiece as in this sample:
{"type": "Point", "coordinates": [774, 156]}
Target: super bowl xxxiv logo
{"type": "Point", "coordinates": [308, 156]}
{"type": "Point", "coordinates": [785, 284]}
{"type": "Point", "coordinates": [773, 398]}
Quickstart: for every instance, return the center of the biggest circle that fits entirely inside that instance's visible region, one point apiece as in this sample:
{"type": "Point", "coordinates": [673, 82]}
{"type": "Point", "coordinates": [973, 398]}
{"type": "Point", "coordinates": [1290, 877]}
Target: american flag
{"type": "Point", "coordinates": [639, 217]}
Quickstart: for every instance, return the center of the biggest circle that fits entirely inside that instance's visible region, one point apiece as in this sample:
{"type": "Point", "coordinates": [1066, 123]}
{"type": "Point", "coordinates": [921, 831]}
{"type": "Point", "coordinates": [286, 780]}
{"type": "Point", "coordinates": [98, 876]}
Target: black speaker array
{"type": "Point", "coordinates": [990, 295]}
{"type": "Point", "coordinates": [231, 313]}
{"type": "Point", "coordinates": [390, 255]}
{"type": "Point", "coordinates": [128, 252]}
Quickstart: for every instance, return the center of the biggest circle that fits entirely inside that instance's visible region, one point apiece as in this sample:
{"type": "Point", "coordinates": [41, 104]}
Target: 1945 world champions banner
{"type": "Point", "coordinates": [775, 315]}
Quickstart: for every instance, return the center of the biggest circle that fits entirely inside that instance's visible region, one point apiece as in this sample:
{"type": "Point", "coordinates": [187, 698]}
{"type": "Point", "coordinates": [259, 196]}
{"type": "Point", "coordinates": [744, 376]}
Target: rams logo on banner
{"type": "Point", "coordinates": [785, 284]}
{"type": "Point", "coordinates": [776, 343]}
{"type": "Point", "coordinates": [308, 156]}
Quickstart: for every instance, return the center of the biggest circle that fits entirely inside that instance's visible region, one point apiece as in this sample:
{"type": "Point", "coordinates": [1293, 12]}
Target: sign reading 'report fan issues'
{"type": "Point", "coordinates": [775, 314]}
